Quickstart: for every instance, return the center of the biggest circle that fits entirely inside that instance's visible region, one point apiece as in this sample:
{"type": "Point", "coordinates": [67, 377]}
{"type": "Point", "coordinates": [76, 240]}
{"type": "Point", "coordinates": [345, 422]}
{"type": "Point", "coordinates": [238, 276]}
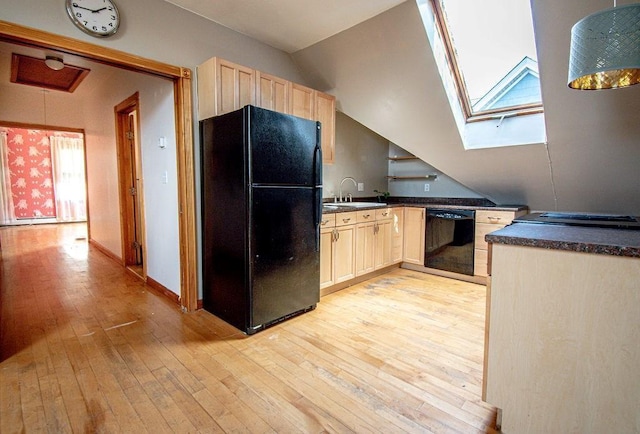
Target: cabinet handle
{"type": "Point", "coordinates": [366, 216]}
{"type": "Point", "coordinates": [384, 214]}
{"type": "Point", "coordinates": [346, 220]}
{"type": "Point", "coordinates": [494, 219]}
{"type": "Point", "coordinates": [337, 234]}
{"type": "Point", "coordinates": [376, 228]}
{"type": "Point", "coordinates": [324, 222]}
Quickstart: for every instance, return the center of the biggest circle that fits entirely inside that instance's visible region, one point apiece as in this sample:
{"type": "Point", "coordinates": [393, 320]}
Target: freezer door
{"type": "Point", "coordinates": [284, 149]}
{"type": "Point", "coordinates": [286, 262]}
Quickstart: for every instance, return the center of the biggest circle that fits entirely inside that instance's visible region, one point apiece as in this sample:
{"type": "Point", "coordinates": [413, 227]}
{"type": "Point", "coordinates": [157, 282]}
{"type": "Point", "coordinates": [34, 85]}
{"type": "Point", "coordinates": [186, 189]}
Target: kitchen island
{"type": "Point", "coordinates": [562, 346]}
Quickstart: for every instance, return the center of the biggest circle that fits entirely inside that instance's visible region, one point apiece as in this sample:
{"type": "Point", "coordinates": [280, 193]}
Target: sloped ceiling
{"type": "Point", "coordinates": [289, 25]}
{"type": "Point", "coordinates": [384, 76]}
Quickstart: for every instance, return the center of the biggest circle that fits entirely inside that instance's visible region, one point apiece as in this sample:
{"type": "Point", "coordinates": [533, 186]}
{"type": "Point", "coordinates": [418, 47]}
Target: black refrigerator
{"type": "Point", "coordinates": [261, 210]}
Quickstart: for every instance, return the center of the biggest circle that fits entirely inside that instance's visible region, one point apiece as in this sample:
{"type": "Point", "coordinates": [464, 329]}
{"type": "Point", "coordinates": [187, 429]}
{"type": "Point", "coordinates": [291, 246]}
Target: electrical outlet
{"type": "Point", "coordinates": [361, 186]}
{"type": "Point", "coordinates": [426, 187]}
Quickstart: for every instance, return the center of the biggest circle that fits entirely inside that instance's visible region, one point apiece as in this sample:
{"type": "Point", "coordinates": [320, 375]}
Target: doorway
{"type": "Point", "coordinates": [182, 85]}
{"type": "Point", "coordinates": [130, 185]}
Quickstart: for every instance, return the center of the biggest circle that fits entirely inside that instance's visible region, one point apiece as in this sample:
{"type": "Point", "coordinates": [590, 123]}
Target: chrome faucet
{"type": "Point", "coordinates": [355, 184]}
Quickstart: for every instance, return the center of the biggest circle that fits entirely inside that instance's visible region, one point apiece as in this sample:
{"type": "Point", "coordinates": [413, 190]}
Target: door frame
{"type": "Point", "coordinates": [132, 219]}
{"type": "Point", "coordinates": [181, 78]}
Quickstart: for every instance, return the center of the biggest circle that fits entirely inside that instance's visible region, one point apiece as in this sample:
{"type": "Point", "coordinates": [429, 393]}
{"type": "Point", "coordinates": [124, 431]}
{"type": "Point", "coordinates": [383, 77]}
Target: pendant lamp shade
{"type": "Point", "coordinates": [605, 49]}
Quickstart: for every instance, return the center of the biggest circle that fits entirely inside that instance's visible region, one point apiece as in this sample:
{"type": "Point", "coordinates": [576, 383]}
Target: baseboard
{"type": "Point", "coordinates": [163, 291]}
{"type": "Point", "coordinates": [472, 279]}
{"type": "Point", "coordinates": [102, 249]}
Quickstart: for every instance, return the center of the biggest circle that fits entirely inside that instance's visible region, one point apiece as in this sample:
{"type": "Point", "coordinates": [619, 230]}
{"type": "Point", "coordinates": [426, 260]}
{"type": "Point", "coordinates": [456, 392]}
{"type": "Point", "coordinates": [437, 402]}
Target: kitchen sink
{"type": "Point", "coordinates": [358, 204]}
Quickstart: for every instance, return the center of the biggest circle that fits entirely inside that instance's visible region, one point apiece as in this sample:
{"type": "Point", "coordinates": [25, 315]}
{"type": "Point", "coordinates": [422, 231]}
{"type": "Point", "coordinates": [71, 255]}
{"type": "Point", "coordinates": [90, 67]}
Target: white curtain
{"type": "Point", "coordinates": [7, 212]}
{"type": "Point", "coordinates": [67, 161]}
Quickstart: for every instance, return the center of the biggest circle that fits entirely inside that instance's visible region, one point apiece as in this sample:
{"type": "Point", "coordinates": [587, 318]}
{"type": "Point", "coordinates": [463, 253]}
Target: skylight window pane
{"type": "Point", "coordinates": [495, 51]}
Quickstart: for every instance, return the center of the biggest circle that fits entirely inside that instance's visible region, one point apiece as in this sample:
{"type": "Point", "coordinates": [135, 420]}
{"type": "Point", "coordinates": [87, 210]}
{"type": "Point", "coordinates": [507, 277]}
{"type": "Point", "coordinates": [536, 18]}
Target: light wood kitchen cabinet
{"type": "Point", "coordinates": [562, 353]}
{"type": "Point", "coordinates": [223, 87]}
{"type": "Point", "coordinates": [272, 92]}
{"type": "Point", "coordinates": [365, 241]}
{"type": "Point", "coordinates": [302, 101]}
{"type": "Point", "coordinates": [344, 263]}
{"type": "Point", "coordinates": [397, 234]}
{"type": "Point", "coordinates": [489, 221]}
{"type": "Point", "coordinates": [337, 248]}
{"type": "Point", "coordinates": [325, 112]}
{"type": "Point", "coordinates": [414, 233]}
{"type": "Point", "coordinates": [374, 240]}
{"type": "Point", "coordinates": [327, 252]}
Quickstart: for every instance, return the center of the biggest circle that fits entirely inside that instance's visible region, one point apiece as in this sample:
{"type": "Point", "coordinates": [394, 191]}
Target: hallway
{"type": "Point", "coordinates": [86, 347]}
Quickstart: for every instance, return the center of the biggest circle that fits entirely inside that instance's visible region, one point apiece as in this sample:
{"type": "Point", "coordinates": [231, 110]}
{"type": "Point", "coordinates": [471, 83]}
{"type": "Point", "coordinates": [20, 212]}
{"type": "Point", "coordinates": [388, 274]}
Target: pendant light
{"type": "Point", "coordinates": [605, 49]}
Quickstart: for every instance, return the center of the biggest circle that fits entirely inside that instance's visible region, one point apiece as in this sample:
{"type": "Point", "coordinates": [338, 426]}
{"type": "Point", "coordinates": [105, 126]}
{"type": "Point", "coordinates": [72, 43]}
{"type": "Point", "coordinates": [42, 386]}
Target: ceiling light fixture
{"type": "Point", "coordinates": [605, 49]}
{"type": "Point", "coordinates": [54, 63]}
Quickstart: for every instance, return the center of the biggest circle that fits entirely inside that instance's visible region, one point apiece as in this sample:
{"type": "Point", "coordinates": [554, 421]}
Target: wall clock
{"type": "Point", "coordinates": [98, 18]}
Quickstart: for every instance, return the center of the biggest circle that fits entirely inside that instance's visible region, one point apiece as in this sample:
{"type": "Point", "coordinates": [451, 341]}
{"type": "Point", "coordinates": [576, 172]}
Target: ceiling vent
{"type": "Point", "coordinates": [35, 72]}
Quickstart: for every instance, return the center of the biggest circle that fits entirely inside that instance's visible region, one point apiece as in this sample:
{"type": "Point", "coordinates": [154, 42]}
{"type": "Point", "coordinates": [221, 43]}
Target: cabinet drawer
{"type": "Point", "coordinates": [328, 221]}
{"type": "Point", "coordinates": [367, 215]}
{"type": "Point", "coordinates": [483, 229]}
{"type": "Point", "coordinates": [383, 214]}
{"type": "Point", "coordinates": [494, 217]}
{"type": "Point", "coordinates": [345, 218]}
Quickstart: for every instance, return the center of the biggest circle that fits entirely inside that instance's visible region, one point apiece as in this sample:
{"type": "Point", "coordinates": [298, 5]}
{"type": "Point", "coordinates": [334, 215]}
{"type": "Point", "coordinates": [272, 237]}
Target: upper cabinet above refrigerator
{"type": "Point", "coordinates": [225, 86]}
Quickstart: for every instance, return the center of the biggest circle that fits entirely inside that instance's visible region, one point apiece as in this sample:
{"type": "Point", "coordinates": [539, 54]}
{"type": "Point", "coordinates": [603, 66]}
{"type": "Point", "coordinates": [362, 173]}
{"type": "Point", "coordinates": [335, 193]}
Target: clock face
{"type": "Point", "coordinates": [95, 17]}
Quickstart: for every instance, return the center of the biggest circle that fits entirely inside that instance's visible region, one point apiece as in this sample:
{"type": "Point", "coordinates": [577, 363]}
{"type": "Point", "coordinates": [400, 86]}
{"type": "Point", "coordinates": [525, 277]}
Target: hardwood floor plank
{"type": "Point", "coordinates": [85, 347]}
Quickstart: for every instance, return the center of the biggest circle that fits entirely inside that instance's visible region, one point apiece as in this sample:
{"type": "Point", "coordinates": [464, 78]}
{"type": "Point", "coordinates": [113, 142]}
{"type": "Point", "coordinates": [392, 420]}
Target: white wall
{"type": "Point", "coordinates": [157, 120]}
{"type": "Point", "coordinates": [442, 186]}
{"type": "Point", "coordinates": [361, 154]}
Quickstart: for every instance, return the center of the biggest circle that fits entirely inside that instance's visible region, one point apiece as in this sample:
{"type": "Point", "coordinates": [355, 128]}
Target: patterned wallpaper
{"type": "Point", "coordinates": [30, 170]}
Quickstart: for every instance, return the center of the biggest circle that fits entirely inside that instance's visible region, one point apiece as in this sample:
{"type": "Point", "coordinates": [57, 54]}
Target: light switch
{"type": "Point", "coordinates": [361, 186]}
{"type": "Point", "coordinates": [162, 143]}
{"type": "Point", "coordinates": [165, 177]}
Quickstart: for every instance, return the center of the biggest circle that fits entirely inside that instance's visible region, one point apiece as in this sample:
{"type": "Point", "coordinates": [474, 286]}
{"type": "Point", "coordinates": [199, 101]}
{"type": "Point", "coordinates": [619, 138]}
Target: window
{"type": "Point", "coordinates": [490, 50]}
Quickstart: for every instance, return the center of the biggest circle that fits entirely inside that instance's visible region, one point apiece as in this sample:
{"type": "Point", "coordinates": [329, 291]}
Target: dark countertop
{"type": "Point", "coordinates": [438, 203]}
{"type": "Point", "coordinates": [603, 241]}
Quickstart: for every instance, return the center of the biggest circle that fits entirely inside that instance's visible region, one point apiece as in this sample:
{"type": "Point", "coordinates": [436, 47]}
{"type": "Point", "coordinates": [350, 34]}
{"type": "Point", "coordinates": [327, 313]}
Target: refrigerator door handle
{"type": "Point", "coordinates": [317, 215]}
{"type": "Point", "coordinates": [317, 158]}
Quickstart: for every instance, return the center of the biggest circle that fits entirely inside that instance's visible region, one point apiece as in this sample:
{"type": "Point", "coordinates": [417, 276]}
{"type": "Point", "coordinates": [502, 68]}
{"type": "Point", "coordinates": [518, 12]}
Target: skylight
{"type": "Point", "coordinates": [490, 48]}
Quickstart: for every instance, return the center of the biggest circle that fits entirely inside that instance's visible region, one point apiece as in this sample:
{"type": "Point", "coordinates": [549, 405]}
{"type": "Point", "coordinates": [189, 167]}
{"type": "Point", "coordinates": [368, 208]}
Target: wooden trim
{"type": "Point", "coordinates": [125, 156]}
{"type": "Point", "coordinates": [102, 249]}
{"type": "Point", "coordinates": [459, 83]}
{"type": "Point", "coordinates": [26, 35]}
{"type": "Point", "coordinates": [27, 126]}
{"type": "Point", "coordinates": [186, 191]}
{"type": "Point", "coordinates": [162, 290]}
{"type": "Point", "coordinates": [184, 130]}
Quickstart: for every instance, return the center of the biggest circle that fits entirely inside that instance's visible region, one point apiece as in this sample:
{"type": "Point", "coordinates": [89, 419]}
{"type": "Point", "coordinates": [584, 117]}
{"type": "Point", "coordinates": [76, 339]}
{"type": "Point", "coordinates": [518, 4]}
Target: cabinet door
{"type": "Point", "coordinates": [302, 101]}
{"type": "Point", "coordinates": [326, 257]}
{"type": "Point", "coordinates": [414, 226]}
{"type": "Point", "coordinates": [272, 92]}
{"type": "Point", "coordinates": [384, 243]}
{"type": "Point", "coordinates": [397, 234]}
{"type": "Point", "coordinates": [326, 113]}
{"type": "Point", "coordinates": [365, 248]}
{"type": "Point", "coordinates": [344, 254]}
{"type": "Point", "coordinates": [236, 86]}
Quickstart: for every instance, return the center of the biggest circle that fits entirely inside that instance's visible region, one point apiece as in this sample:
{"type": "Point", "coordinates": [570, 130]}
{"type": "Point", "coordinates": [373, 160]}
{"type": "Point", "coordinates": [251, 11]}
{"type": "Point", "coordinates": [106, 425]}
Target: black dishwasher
{"type": "Point", "coordinates": [449, 240]}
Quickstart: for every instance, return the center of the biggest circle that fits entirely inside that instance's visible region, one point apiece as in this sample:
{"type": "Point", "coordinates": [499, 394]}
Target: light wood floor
{"type": "Point", "coordinates": [85, 347]}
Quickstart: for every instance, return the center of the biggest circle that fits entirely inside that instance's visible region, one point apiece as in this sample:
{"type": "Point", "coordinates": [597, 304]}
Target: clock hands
{"type": "Point", "coordinates": [90, 10]}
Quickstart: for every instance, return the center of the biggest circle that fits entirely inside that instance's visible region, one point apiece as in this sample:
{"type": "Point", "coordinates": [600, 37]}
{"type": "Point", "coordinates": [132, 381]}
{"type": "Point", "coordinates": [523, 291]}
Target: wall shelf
{"type": "Point", "coordinates": [407, 158]}
{"type": "Point", "coordinates": [414, 177]}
